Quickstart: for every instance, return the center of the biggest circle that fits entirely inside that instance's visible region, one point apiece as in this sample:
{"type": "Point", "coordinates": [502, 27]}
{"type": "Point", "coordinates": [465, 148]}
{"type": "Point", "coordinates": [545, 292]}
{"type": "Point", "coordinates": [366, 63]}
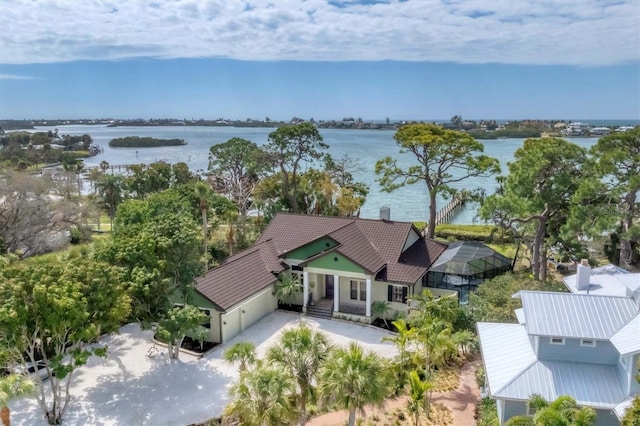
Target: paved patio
{"type": "Point", "coordinates": [130, 387]}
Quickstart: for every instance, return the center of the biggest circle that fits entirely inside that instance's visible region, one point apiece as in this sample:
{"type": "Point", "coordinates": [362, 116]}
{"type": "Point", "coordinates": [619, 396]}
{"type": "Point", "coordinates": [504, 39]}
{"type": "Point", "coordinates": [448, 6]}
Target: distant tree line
{"type": "Point", "coordinates": [144, 142]}
{"type": "Point", "coordinates": [22, 150]}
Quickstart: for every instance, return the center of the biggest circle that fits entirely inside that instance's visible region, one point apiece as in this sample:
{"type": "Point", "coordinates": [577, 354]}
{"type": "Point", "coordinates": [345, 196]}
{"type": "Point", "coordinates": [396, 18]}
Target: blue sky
{"type": "Point", "coordinates": [413, 59]}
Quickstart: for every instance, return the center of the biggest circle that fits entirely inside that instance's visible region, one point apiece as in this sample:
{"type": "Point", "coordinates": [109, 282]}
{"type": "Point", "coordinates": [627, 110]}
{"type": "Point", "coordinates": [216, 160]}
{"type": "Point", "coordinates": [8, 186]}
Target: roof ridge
{"type": "Point", "coordinates": [563, 294]}
{"type": "Point", "coordinates": [624, 325]}
{"type": "Point", "coordinates": [534, 362]}
{"type": "Point", "coordinates": [354, 218]}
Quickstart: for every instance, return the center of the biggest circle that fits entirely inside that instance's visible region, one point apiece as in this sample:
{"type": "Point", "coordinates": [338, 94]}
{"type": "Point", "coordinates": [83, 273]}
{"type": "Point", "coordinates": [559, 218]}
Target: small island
{"type": "Point", "coordinates": [144, 142]}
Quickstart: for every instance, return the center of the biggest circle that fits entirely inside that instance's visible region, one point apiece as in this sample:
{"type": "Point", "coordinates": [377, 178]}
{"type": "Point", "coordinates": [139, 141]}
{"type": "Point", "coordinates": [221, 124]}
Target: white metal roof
{"type": "Point", "coordinates": [594, 385]}
{"type": "Point", "coordinates": [607, 280]}
{"type": "Point", "coordinates": [627, 339]}
{"type": "Point", "coordinates": [622, 408]}
{"type": "Point", "coordinates": [520, 316]}
{"type": "Point", "coordinates": [506, 353]}
{"type": "Point", "coordinates": [575, 315]}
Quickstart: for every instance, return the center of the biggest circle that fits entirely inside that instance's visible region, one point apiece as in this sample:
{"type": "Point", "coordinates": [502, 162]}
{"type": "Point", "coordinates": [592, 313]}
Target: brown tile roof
{"type": "Point", "coordinates": [370, 243]}
{"type": "Point", "coordinates": [375, 245]}
{"type": "Point", "coordinates": [241, 275]}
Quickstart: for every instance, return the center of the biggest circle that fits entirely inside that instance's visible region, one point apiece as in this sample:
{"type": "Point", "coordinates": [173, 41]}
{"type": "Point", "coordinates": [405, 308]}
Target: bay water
{"type": "Point", "coordinates": [362, 147]}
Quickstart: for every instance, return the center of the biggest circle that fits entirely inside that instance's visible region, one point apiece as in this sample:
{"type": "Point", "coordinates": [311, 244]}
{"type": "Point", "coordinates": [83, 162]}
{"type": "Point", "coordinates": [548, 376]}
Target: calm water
{"type": "Point", "coordinates": [363, 147]}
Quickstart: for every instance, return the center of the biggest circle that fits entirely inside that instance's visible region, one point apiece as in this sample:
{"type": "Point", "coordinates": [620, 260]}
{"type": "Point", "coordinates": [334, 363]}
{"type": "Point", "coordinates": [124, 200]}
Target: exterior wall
{"type": "Point", "coordinates": [345, 291]}
{"type": "Point", "coordinates": [441, 292]}
{"type": "Point", "coordinates": [603, 353]}
{"type": "Point", "coordinates": [513, 408]}
{"type": "Point", "coordinates": [606, 418]}
{"type": "Point", "coordinates": [312, 248]}
{"type": "Point", "coordinates": [379, 291]}
{"type": "Point", "coordinates": [231, 325]}
{"type": "Point", "coordinates": [214, 331]}
{"type": "Point", "coordinates": [246, 313]}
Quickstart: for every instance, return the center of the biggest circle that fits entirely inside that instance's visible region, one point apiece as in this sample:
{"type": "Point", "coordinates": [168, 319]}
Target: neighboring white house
{"type": "Point", "coordinates": [585, 344]}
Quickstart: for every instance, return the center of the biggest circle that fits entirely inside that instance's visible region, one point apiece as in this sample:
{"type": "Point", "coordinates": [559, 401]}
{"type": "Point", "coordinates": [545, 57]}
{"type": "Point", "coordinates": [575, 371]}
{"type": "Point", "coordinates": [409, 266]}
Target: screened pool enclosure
{"type": "Point", "coordinates": [463, 266]}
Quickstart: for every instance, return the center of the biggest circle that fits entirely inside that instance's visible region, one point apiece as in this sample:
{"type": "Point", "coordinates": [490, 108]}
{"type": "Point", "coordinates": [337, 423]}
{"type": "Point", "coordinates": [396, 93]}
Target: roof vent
{"type": "Point", "coordinates": [385, 213]}
{"type": "Point", "coordinates": [583, 276]}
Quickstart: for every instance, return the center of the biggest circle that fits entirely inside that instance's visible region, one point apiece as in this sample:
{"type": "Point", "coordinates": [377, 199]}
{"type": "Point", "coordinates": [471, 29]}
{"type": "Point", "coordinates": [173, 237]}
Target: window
{"type": "Point", "coordinates": [354, 290]}
{"type": "Point", "coordinates": [397, 293]}
{"type": "Point", "coordinates": [207, 312]}
{"type": "Point", "coordinates": [590, 343]}
{"type": "Point", "coordinates": [557, 340]}
{"type": "Point", "coordinates": [358, 288]}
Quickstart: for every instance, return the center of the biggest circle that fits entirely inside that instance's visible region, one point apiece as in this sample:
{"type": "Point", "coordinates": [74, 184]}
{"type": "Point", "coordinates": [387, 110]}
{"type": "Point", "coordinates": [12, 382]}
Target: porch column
{"type": "Point", "coordinates": [336, 293]}
{"type": "Point", "coordinates": [368, 310]}
{"type": "Point", "coordinates": [305, 289]}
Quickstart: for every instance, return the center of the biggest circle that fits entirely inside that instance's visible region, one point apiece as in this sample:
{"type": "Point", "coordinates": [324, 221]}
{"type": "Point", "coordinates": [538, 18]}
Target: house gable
{"type": "Point", "coordinates": [311, 249]}
{"type": "Point", "coordinates": [336, 262]}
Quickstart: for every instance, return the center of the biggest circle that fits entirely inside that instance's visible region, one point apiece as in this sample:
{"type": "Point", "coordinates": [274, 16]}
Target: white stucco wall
{"type": "Point", "coordinates": [246, 313]}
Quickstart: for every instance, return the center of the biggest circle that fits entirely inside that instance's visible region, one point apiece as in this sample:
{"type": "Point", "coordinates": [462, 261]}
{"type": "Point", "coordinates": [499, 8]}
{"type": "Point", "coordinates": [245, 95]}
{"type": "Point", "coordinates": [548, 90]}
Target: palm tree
{"type": "Point", "coordinates": [380, 309]}
{"type": "Point", "coordinates": [203, 192]}
{"type": "Point", "coordinates": [563, 411]}
{"type": "Point", "coordinates": [417, 395]}
{"type": "Point", "coordinates": [351, 379]}
{"type": "Point", "coordinates": [104, 166]}
{"type": "Point", "coordinates": [301, 350]}
{"type": "Point", "coordinates": [401, 339]}
{"type": "Point", "coordinates": [287, 287]}
{"type": "Point", "coordinates": [434, 337]}
{"type": "Point", "coordinates": [262, 397]}
{"type": "Point", "coordinates": [110, 187]}
{"type": "Point", "coordinates": [465, 340]}
{"type": "Point", "coordinates": [242, 352]}
{"type": "Point", "coordinates": [12, 386]}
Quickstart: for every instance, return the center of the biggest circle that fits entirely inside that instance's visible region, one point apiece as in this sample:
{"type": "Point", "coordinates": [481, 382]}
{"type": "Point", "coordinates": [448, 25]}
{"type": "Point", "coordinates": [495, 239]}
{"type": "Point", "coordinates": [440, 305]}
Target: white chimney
{"type": "Point", "coordinates": [385, 213]}
{"type": "Point", "coordinates": [583, 275]}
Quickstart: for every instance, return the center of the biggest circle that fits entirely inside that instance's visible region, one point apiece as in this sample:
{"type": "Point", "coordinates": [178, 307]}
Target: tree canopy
{"type": "Point", "coordinates": [537, 193]}
{"type": "Point", "coordinates": [443, 158]}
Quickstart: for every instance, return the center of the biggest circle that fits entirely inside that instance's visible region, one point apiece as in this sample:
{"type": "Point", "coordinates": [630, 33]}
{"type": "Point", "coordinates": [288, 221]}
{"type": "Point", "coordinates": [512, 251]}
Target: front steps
{"type": "Point", "coordinates": [319, 311]}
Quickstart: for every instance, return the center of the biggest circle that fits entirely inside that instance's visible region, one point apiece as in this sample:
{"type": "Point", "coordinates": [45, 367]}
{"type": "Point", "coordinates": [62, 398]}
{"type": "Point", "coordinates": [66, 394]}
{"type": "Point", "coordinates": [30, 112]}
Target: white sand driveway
{"type": "Point", "coordinates": [132, 388]}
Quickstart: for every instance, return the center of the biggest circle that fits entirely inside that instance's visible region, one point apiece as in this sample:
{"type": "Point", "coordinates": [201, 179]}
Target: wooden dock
{"type": "Point", "coordinates": [445, 214]}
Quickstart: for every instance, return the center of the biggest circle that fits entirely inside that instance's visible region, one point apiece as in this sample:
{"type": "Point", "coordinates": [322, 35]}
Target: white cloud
{"type": "Point", "coordinates": [16, 77]}
{"type": "Point", "coordinates": [567, 32]}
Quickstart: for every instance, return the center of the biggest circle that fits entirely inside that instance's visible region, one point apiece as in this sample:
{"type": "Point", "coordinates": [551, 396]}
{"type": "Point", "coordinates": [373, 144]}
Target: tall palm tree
{"type": "Point", "coordinates": [351, 379]}
{"type": "Point", "coordinates": [12, 386]}
{"type": "Point", "coordinates": [302, 351]}
{"type": "Point", "coordinates": [262, 397]}
{"type": "Point", "coordinates": [203, 192]}
{"type": "Point", "coordinates": [111, 188]}
{"type": "Point", "coordinates": [401, 339]}
{"type": "Point", "coordinates": [434, 338]}
{"type": "Point", "coordinates": [242, 352]}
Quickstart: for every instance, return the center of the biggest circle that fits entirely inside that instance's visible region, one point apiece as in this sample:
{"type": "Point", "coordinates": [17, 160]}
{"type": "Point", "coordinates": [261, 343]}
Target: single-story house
{"type": "Point", "coordinates": [344, 264]}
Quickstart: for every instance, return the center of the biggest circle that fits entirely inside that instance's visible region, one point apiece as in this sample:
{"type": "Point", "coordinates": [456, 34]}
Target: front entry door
{"type": "Point", "coordinates": [328, 286]}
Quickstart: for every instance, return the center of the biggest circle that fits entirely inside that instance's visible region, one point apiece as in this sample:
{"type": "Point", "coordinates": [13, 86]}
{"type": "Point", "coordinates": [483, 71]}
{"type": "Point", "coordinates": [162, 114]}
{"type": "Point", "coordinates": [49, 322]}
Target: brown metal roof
{"type": "Point", "coordinates": [241, 276]}
{"type": "Point", "coordinates": [375, 245]}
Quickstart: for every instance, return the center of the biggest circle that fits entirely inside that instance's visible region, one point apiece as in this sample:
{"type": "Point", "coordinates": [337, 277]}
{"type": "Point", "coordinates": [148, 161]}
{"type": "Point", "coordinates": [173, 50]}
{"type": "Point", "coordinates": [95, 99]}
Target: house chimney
{"type": "Point", "coordinates": [583, 275]}
{"type": "Point", "coordinates": [385, 213]}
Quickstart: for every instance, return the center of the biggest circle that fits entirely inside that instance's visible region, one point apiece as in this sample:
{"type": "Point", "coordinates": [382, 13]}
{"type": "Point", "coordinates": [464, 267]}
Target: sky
{"type": "Point", "coordinates": [238, 59]}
